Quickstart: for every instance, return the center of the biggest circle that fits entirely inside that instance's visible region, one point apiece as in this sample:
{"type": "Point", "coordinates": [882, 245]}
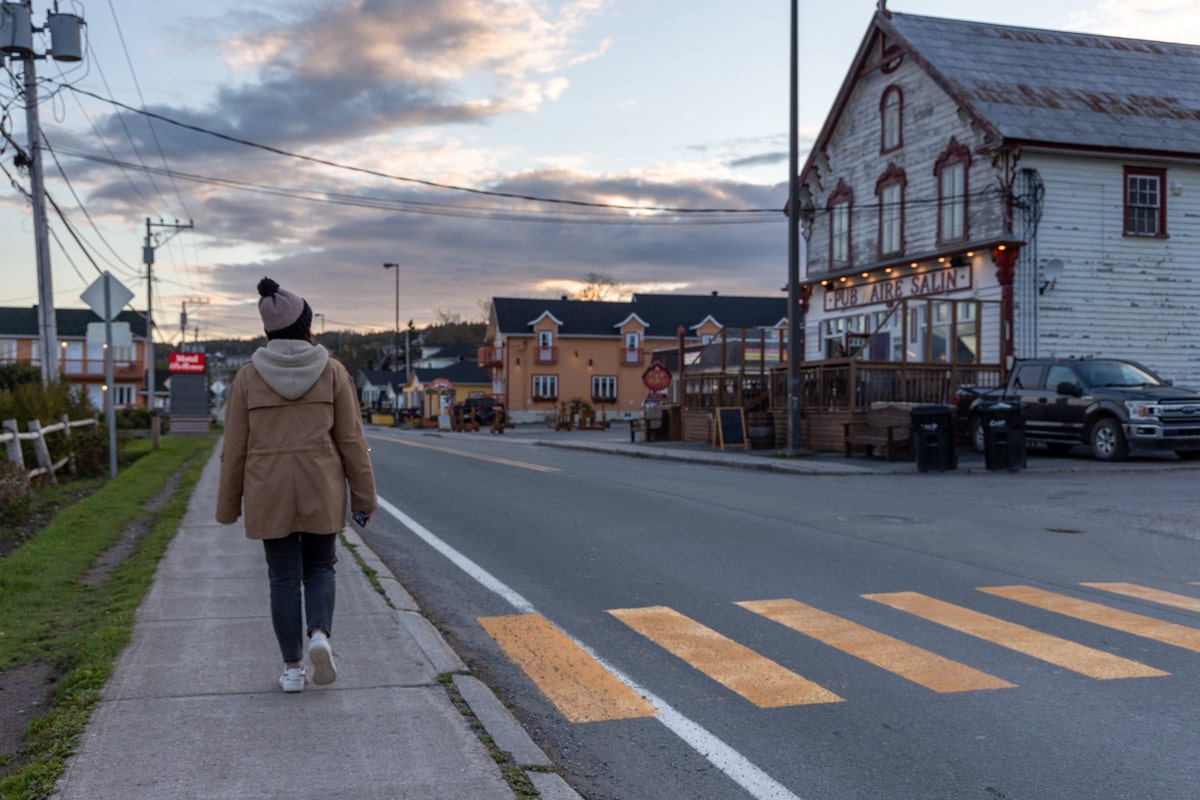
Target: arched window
{"type": "Point", "coordinates": [951, 172]}
{"type": "Point", "coordinates": [890, 191]}
{"type": "Point", "coordinates": [840, 204]}
{"type": "Point", "coordinates": [891, 118]}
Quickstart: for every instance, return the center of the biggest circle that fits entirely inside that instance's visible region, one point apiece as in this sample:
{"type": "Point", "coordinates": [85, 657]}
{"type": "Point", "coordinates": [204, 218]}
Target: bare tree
{"type": "Point", "coordinates": [600, 287]}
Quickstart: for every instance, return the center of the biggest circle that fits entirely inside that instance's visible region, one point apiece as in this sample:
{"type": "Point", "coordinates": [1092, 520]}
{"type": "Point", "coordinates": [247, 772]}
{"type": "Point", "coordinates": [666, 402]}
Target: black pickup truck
{"type": "Point", "coordinates": [1109, 404]}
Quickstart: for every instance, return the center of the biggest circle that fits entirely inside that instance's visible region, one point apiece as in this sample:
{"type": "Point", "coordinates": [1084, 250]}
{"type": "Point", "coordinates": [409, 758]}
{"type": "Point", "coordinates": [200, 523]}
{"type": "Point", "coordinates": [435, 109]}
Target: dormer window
{"type": "Point", "coordinates": [891, 117]}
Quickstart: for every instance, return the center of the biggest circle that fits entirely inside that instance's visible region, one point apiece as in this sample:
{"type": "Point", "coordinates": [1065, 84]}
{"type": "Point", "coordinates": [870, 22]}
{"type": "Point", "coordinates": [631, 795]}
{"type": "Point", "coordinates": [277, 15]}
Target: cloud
{"type": "Point", "coordinates": [1159, 20]}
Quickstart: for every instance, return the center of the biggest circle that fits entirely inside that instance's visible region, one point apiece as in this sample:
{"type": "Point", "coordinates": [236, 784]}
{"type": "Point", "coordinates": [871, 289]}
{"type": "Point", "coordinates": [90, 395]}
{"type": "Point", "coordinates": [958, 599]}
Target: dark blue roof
{"type": "Point", "coordinates": [662, 313]}
{"type": "Point", "coordinates": [462, 372]}
{"type": "Point", "coordinates": [71, 322]}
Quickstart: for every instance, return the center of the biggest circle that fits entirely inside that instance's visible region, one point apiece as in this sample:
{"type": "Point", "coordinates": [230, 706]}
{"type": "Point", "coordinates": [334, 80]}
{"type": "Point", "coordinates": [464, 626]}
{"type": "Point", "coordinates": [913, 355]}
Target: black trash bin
{"type": "Point", "coordinates": [933, 438]}
{"type": "Point", "coordinates": [1003, 436]}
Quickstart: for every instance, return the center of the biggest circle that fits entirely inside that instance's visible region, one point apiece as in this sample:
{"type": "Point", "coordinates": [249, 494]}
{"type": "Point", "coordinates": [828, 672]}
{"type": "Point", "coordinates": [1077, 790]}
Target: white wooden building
{"type": "Point", "coordinates": [980, 192]}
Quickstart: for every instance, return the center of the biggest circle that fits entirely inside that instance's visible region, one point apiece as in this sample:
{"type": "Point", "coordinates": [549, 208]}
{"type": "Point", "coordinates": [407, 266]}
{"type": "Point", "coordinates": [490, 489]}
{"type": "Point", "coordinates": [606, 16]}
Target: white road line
{"type": "Point", "coordinates": [737, 767]}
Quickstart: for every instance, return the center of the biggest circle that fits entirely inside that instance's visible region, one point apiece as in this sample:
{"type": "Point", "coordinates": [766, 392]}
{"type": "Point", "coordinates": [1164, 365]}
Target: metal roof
{"type": "Point", "coordinates": [662, 313]}
{"type": "Point", "coordinates": [1060, 88]}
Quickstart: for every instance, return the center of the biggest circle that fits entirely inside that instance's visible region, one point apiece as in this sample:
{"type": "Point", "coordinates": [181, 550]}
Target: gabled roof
{"type": "Point", "coordinates": [383, 377]}
{"type": "Point", "coordinates": [1034, 87]}
{"type": "Point", "coordinates": [71, 322]}
{"type": "Point", "coordinates": [461, 372]}
{"type": "Point", "coordinates": [456, 349]}
{"type": "Point", "coordinates": [662, 313]}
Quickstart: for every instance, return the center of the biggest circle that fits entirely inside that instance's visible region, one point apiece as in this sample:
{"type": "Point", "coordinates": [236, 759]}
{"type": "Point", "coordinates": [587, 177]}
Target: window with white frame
{"type": "Point", "coordinates": [951, 172]}
{"type": "Point", "coordinates": [545, 387]}
{"type": "Point", "coordinates": [8, 350]}
{"type": "Point", "coordinates": [840, 204]}
{"type": "Point", "coordinates": [124, 394]}
{"type": "Point", "coordinates": [1145, 202]}
{"type": "Point", "coordinates": [890, 191]}
{"type": "Point", "coordinates": [545, 338]}
{"type": "Point", "coordinates": [891, 107]}
{"type": "Point", "coordinates": [632, 341]}
{"type": "Point", "coordinates": [604, 388]}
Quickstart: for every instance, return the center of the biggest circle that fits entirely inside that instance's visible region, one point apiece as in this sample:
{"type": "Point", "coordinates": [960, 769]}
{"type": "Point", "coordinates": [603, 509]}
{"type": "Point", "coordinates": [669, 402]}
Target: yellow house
{"type": "Point", "coordinates": [542, 353]}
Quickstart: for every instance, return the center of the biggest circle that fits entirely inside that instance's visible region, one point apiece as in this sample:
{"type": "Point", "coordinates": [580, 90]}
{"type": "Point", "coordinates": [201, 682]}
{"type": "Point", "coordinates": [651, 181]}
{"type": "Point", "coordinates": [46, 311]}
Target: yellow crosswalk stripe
{"type": "Point", "coordinates": [578, 686]}
{"type": "Point", "coordinates": [908, 661]}
{"type": "Point", "coordinates": [1061, 652]}
{"type": "Point", "coordinates": [758, 679]}
{"type": "Point", "coordinates": [1153, 595]}
{"type": "Point", "coordinates": [1126, 621]}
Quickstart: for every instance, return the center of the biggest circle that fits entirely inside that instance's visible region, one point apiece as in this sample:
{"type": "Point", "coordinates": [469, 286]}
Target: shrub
{"type": "Point", "coordinates": [16, 495]}
{"type": "Point", "coordinates": [14, 375]}
{"type": "Point", "coordinates": [47, 404]}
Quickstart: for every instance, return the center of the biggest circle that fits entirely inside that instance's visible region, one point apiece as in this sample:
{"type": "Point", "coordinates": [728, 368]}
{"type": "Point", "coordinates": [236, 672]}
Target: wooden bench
{"type": "Point", "coordinates": [887, 427]}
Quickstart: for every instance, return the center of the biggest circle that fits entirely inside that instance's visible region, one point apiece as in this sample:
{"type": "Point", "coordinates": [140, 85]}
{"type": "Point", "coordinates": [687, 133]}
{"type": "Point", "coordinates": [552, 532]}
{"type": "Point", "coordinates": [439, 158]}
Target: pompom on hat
{"type": "Point", "coordinates": [284, 315]}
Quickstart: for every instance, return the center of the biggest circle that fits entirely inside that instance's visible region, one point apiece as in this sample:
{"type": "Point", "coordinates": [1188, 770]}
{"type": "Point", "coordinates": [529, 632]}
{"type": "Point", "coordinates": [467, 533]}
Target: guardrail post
{"type": "Point", "coordinates": [14, 445]}
{"type": "Point", "coordinates": [42, 451]}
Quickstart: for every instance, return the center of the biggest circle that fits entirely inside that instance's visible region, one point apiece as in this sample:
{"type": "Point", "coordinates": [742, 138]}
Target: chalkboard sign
{"type": "Point", "coordinates": [730, 428]}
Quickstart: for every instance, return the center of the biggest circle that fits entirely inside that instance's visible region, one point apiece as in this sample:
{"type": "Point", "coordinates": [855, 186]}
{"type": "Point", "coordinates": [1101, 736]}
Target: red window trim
{"type": "Point", "coordinates": [1159, 173]}
{"type": "Point", "coordinates": [892, 176]}
{"type": "Point", "coordinates": [893, 89]}
{"type": "Point", "coordinates": [954, 153]}
{"type": "Point", "coordinates": [842, 193]}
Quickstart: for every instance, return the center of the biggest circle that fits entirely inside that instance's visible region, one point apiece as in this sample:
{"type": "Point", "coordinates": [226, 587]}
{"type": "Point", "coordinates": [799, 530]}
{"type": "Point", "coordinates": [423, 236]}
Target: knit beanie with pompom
{"type": "Point", "coordinates": [284, 315]}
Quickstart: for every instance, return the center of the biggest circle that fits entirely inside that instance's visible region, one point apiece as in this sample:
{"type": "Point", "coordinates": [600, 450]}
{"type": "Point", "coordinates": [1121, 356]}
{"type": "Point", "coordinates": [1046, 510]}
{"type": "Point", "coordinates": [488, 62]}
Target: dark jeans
{"type": "Point", "coordinates": [301, 559]}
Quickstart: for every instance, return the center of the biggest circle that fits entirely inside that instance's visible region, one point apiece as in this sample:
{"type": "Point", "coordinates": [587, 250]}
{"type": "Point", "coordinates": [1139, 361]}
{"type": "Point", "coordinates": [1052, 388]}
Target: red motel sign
{"type": "Point", "coordinates": [185, 362]}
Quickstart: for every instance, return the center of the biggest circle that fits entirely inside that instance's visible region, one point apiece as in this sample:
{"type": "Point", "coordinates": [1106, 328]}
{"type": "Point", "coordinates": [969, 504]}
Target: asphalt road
{"type": "Point", "coordinates": [669, 630]}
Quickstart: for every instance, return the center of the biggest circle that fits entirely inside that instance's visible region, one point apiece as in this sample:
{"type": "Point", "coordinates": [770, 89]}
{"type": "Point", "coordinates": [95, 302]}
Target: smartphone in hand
{"type": "Point", "coordinates": [360, 517]}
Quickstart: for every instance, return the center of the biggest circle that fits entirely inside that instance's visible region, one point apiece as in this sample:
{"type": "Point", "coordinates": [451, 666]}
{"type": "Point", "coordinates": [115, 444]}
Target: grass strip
{"type": "Point", "coordinates": [48, 614]}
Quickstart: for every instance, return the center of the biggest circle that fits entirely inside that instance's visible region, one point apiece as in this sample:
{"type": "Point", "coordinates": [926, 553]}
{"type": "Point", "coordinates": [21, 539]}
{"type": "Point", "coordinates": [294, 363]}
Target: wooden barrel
{"type": "Point", "coordinates": [760, 426]}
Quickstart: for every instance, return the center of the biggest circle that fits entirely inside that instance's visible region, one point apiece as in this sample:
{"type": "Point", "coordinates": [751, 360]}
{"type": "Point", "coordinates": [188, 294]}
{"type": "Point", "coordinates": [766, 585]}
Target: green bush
{"type": "Point", "coordinates": [16, 495]}
{"type": "Point", "coordinates": [46, 404]}
{"type": "Point", "coordinates": [14, 375]}
{"type": "Point", "coordinates": [133, 419]}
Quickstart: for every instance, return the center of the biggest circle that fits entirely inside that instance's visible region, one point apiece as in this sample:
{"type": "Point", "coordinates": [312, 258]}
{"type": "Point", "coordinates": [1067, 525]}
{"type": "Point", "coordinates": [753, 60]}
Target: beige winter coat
{"type": "Point", "coordinates": [293, 440]}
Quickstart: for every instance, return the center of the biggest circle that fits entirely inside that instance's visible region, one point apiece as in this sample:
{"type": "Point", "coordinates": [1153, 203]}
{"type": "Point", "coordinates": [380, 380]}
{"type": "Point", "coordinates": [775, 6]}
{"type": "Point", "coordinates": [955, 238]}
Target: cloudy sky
{"type": "Point", "coordinates": [431, 133]}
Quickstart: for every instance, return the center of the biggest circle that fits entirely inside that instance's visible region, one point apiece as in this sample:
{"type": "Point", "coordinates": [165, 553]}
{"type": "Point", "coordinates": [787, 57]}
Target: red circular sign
{"type": "Point", "coordinates": [656, 378]}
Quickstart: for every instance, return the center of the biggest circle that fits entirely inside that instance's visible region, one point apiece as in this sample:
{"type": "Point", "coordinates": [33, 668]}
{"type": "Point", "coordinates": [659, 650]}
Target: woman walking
{"type": "Point", "coordinates": [293, 441]}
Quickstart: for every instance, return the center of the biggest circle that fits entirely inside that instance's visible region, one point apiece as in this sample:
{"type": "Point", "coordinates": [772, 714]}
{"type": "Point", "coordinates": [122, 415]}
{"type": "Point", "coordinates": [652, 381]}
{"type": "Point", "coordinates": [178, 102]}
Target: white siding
{"type": "Point", "coordinates": [1121, 296]}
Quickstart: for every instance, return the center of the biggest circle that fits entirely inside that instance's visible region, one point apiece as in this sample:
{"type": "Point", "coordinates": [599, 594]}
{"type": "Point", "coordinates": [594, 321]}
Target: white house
{"type": "Point", "coordinates": [980, 192]}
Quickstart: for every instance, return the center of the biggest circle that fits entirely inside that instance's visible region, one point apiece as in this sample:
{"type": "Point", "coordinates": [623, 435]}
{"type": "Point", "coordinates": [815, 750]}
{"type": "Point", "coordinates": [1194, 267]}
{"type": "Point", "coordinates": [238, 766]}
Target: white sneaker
{"type": "Point", "coordinates": [293, 679]}
{"type": "Point", "coordinates": [321, 656]}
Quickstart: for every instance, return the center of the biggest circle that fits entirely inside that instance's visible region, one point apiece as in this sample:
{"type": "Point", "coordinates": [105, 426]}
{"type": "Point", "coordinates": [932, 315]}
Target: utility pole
{"type": "Point", "coordinates": [183, 320]}
{"type": "Point", "coordinates": [795, 348]}
{"type": "Point", "coordinates": [152, 241]}
{"type": "Point", "coordinates": [16, 41]}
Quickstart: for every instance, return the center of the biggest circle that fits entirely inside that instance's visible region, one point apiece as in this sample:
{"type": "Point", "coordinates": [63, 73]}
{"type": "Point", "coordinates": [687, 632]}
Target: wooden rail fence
{"type": "Point", "coordinates": [46, 469]}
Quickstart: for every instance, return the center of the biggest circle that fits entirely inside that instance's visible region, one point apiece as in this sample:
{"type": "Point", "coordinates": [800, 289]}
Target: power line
{"type": "Point", "coordinates": [149, 121]}
{"type": "Point", "coordinates": [580, 216]}
{"type": "Point", "coordinates": [419, 181]}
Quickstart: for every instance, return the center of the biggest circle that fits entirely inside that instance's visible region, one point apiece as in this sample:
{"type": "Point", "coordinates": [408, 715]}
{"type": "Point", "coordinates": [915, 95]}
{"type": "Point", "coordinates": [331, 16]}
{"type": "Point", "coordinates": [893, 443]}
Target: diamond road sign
{"type": "Point", "coordinates": [118, 296]}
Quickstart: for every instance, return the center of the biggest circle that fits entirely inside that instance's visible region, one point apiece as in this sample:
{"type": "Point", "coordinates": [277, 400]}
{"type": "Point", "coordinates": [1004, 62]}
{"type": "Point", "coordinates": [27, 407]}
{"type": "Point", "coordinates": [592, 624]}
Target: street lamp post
{"type": "Point", "coordinates": [396, 329]}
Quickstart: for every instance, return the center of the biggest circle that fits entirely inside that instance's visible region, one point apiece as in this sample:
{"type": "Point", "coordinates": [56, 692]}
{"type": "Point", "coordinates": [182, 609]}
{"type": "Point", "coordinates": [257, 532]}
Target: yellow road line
{"type": "Point", "coordinates": [1066, 654]}
{"type": "Point", "coordinates": [1136, 624]}
{"type": "Point", "coordinates": [493, 459]}
{"type": "Point", "coordinates": [1153, 595]}
{"type": "Point", "coordinates": [908, 661]}
{"type": "Point", "coordinates": [763, 682]}
{"type": "Point", "coordinates": [579, 687]}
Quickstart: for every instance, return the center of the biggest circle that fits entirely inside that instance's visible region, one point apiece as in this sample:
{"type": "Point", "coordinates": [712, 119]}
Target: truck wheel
{"type": "Point", "coordinates": [975, 426]}
{"type": "Point", "coordinates": [1108, 440]}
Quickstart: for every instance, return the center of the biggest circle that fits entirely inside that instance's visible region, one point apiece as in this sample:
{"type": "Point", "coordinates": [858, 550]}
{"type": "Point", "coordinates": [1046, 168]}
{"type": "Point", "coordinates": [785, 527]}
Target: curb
{"type": "Point", "coordinates": [498, 722]}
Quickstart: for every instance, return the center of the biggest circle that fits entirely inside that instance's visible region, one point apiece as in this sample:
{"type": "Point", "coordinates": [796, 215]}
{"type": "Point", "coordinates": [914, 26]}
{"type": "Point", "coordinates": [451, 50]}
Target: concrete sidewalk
{"type": "Point", "coordinates": [193, 708]}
